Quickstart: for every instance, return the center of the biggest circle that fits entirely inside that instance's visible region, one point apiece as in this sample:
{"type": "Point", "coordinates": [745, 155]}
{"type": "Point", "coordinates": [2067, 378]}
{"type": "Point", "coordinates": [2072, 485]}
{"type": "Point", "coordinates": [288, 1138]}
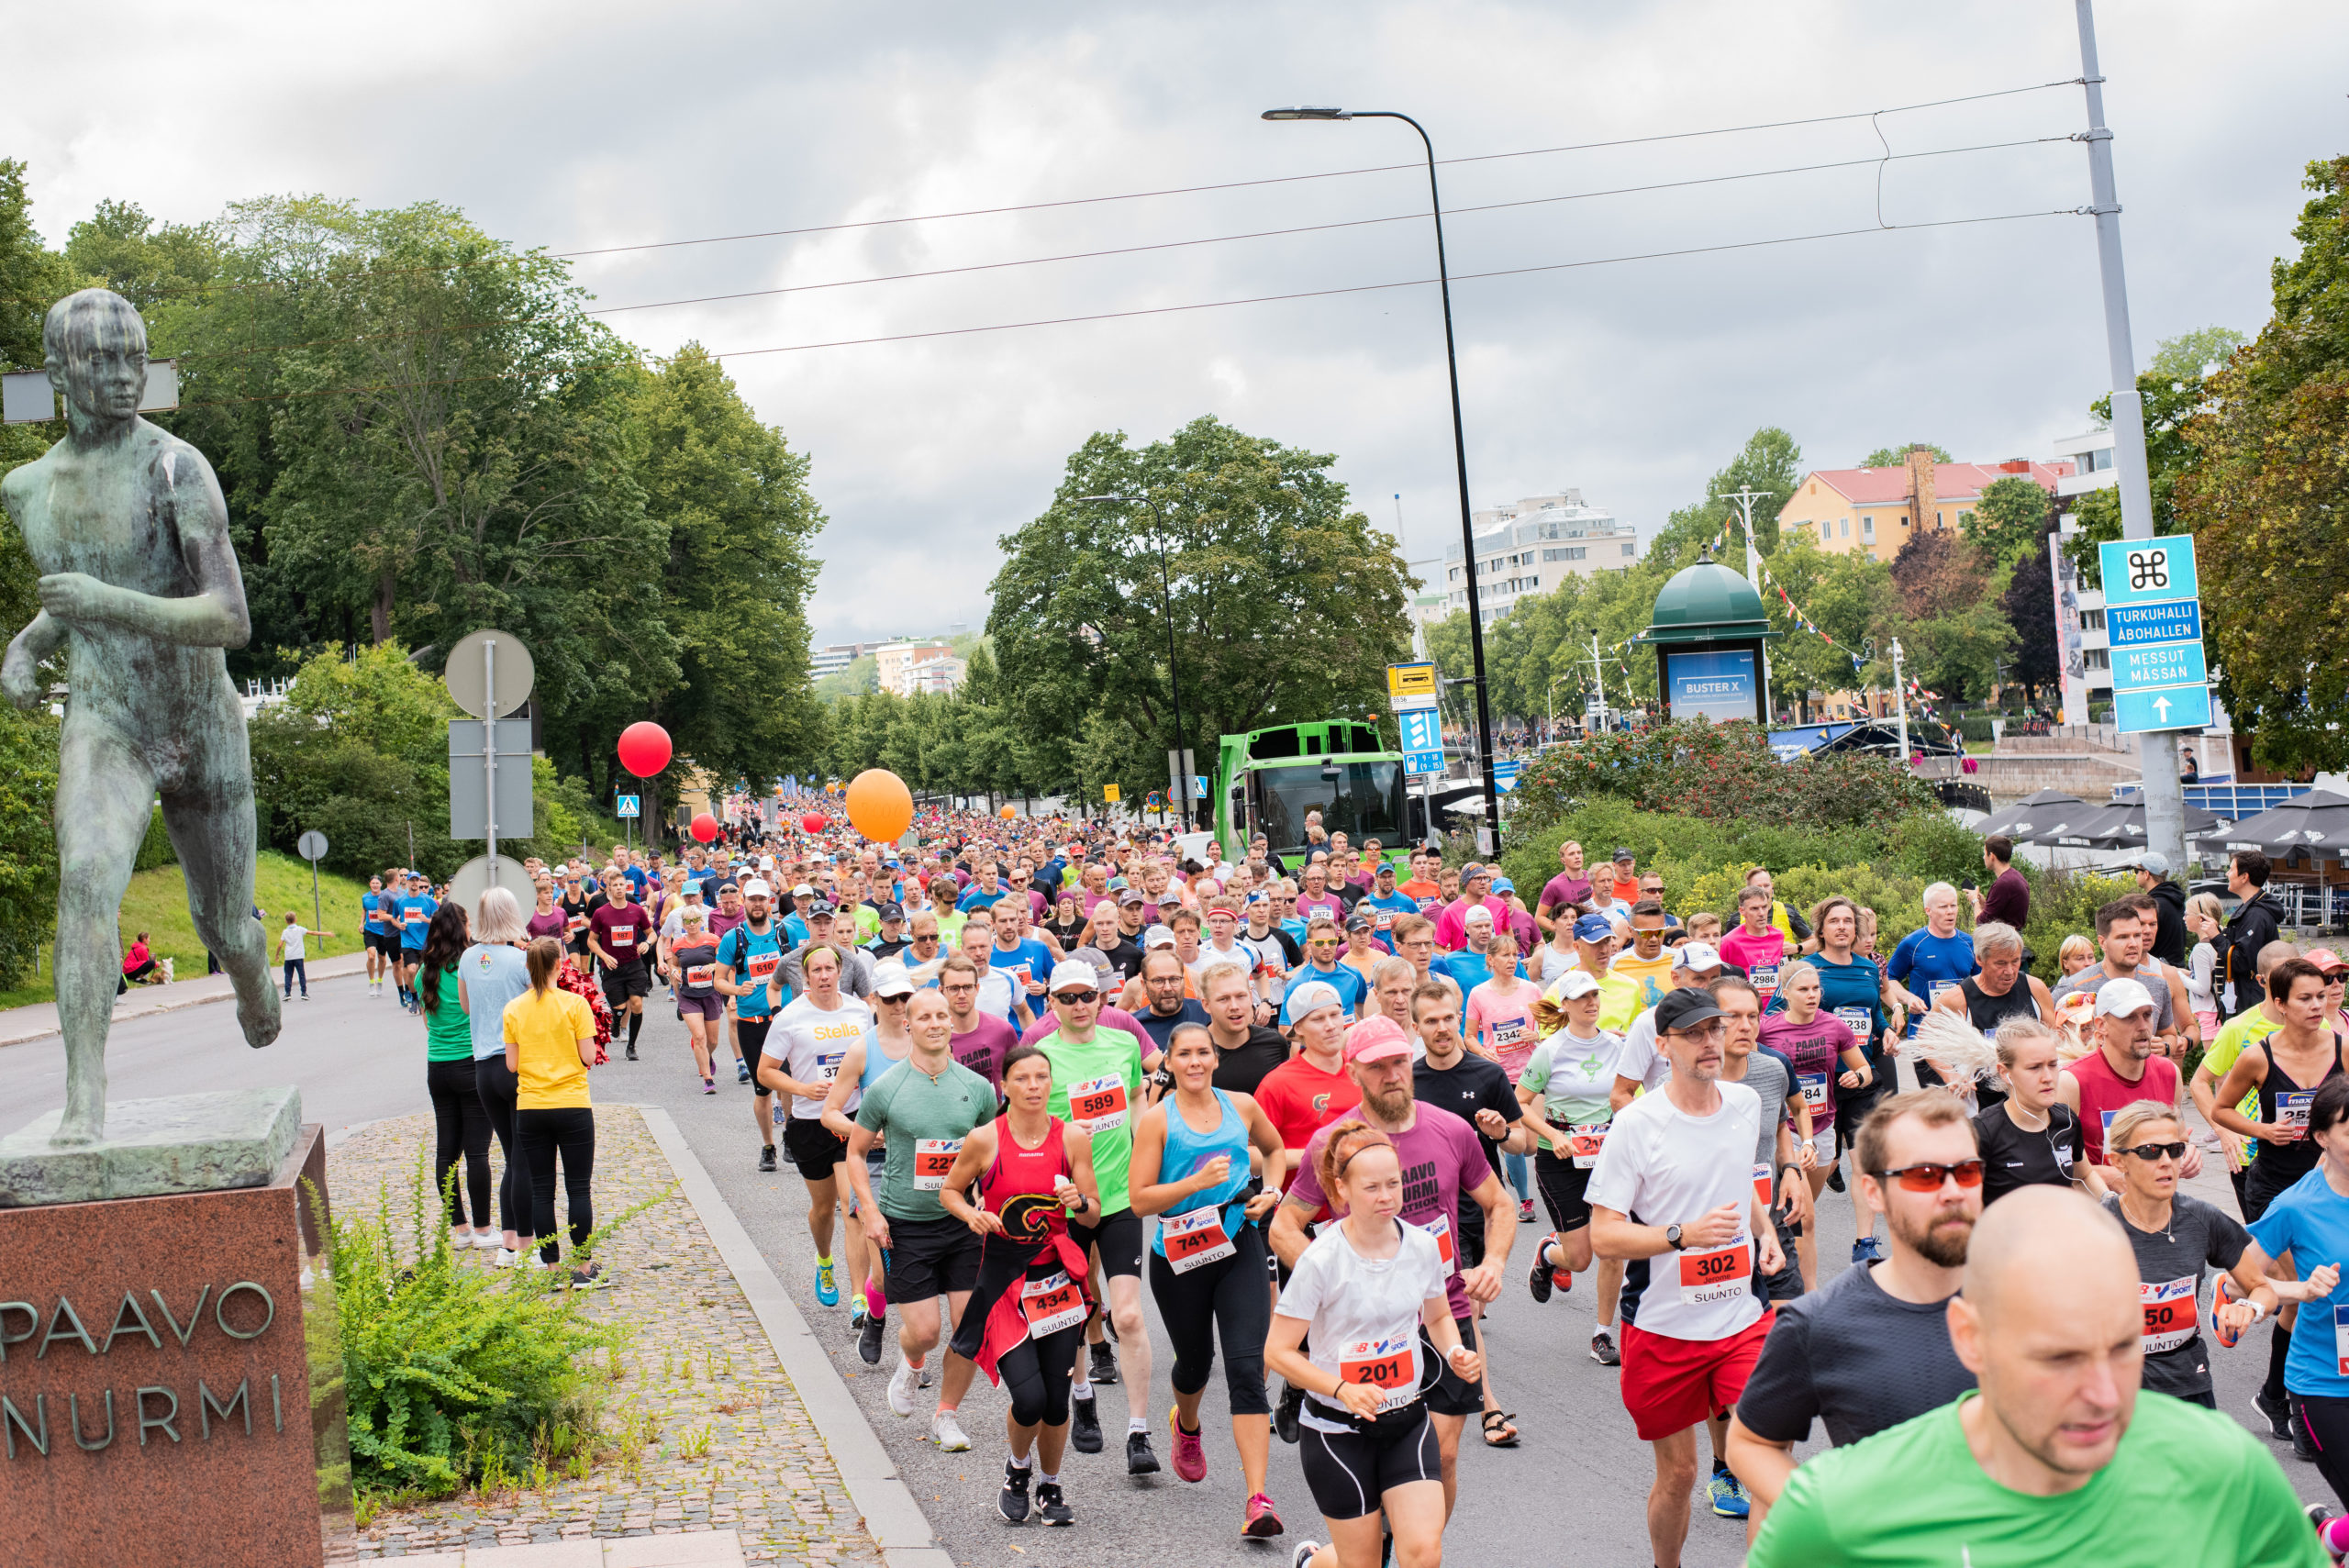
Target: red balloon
{"type": "Point", "coordinates": [644, 748]}
{"type": "Point", "coordinates": [704, 827]}
{"type": "Point", "coordinates": [815, 822]}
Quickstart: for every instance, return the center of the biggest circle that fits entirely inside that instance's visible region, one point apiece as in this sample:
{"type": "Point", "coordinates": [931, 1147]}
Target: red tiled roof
{"type": "Point", "coordinates": [1952, 480]}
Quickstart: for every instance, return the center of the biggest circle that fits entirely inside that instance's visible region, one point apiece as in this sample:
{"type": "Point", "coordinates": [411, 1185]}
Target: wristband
{"type": "Point", "coordinates": [2258, 1313]}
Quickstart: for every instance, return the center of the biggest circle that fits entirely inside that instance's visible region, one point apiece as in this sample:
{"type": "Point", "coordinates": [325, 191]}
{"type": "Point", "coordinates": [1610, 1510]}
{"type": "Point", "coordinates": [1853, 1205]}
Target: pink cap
{"type": "Point", "coordinates": [1377, 1040]}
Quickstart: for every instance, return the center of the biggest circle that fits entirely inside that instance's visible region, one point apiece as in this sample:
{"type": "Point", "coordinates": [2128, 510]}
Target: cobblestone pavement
{"type": "Point", "coordinates": [734, 1449]}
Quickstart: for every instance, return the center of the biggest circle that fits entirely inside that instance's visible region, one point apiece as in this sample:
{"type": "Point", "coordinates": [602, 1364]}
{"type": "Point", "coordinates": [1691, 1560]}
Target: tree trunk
{"type": "Point", "coordinates": [380, 612]}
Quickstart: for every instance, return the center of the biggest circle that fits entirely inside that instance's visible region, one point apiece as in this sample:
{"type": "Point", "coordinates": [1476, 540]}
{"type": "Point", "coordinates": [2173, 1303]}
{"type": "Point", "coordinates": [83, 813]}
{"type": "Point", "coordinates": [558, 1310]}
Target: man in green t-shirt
{"type": "Point", "coordinates": [920, 1111]}
{"type": "Point", "coordinates": [1096, 1088]}
{"type": "Point", "coordinates": [2059, 1458]}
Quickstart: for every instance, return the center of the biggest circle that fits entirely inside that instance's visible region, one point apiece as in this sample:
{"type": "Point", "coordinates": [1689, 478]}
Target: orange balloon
{"type": "Point", "coordinates": [1008, 813]}
{"type": "Point", "coordinates": [880, 807]}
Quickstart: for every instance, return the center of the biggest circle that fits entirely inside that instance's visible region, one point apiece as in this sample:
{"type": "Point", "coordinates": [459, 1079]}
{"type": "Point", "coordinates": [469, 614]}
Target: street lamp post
{"type": "Point", "coordinates": [1182, 781]}
{"type": "Point", "coordinates": [1459, 449]}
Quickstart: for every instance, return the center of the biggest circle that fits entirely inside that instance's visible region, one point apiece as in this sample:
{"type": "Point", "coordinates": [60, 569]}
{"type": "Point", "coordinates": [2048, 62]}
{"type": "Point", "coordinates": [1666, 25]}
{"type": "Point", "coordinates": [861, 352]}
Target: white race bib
{"type": "Point", "coordinates": [1391, 1366]}
{"type": "Point", "coordinates": [1814, 1091]}
{"type": "Point", "coordinates": [933, 1157]}
{"type": "Point", "coordinates": [2291, 1112]}
{"type": "Point", "coordinates": [1717, 1273]}
{"type": "Point", "coordinates": [1097, 1104]}
{"type": "Point", "coordinates": [1051, 1305]}
{"type": "Point", "coordinates": [1856, 1019]}
{"type": "Point", "coordinates": [1441, 1228]}
{"type": "Point", "coordinates": [1195, 1239]}
{"type": "Point", "coordinates": [2170, 1313]}
{"type": "Point", "coordinates": [827, 1067]}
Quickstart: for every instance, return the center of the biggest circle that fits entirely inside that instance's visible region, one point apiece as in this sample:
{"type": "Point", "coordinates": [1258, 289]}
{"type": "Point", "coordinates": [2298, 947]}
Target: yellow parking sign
{"type": "Point", "coordinates": [1411, 680]}
{"type": "Point", "coordinates": [1109, 794]}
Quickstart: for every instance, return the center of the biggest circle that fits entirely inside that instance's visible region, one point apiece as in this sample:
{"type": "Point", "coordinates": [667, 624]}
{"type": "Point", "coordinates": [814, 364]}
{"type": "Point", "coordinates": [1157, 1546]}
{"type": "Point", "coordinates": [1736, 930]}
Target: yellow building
{"type": "Point", "coordinates": [1875, 510]}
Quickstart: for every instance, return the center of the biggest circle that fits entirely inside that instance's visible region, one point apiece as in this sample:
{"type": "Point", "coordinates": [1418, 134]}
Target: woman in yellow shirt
{"type": "Point", "coordinates": [549, 1041]}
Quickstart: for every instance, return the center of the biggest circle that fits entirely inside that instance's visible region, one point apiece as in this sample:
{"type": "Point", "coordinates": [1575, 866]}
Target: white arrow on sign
{"type": "Point", "coordinates": [2161, 709]}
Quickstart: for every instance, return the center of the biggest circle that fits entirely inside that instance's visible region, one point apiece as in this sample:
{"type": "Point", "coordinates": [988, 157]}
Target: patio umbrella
{"type": "Point", "coordinates": [2314, 821]}
{"type": "Point", "coordinates": [2018, 821]}
{"type": "Point", "coordinates": [2054, 822]}
{"type": "Point", "coordinates": [2123, 826]}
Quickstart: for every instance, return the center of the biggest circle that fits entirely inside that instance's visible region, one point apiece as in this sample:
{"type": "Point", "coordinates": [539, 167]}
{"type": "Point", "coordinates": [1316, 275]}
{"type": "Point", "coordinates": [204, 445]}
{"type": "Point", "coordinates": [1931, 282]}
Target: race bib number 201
{"type": "Point", "coordinates": [1391, 1366]}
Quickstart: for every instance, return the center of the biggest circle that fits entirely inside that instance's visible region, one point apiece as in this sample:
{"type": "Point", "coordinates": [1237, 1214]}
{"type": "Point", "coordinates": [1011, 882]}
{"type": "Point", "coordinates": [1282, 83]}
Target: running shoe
{"type": "Point", "coordinates": [506, 1258]}
{"type": "Point", "coordinates": [592, 1277]}
{"type": "Point", "coordinates": [1190, 1454]}
{"type": "Point", "coordinates": [1729, 1497]}
{"type": "Point", "coordinates": [2279, 1416]}
{"type": "Point", "coordinates": [1866, 1249]}
{"type": "Point", "coordinates": [1104, 1365]}
{"type": "Point", "coordinates": [741, 1072]}
{"type": "Point", "coordinates": [710, 1085]}
{"type": "Point", "coordinates": [947, 1433]}
{"type": "Point", "coordinates": [766, 1158]}
{"type": "Point", "coordinates": [631, 1051]}
{"type": "Point", "coordinates": [828, 1284]}
{"type": "Point", "coordinates": [1603, 1350]}
{"type": "Point", "coordinates": [868, 1337]}
{"type": "Point", "coordinates": [1835, 1177]}
{"type": "Point", "coordinates": [1050, 1507]}
{"type": "Point", "coordinates": [1012, 1501]}
{"type": "Point", "coordinates": [1139, 1460]}
{"type": "Point", "coordinates": [1285, 1413]}
{"type": "Point", "coordinates": [1525, 1211]}
{"type": "Point", "coordinates": [489, 1241]}
{"type": "Point", "coordinates": [901, 1389]}
{"type": "Point", "coordinates": [1538, 1282]}
{"type": "Point", "coordinates": [1303, 1556]}
{"type": "Point", "coordinates": [1085, 1425]}
{"type": "Point", "coordinates": [1262, 1523]}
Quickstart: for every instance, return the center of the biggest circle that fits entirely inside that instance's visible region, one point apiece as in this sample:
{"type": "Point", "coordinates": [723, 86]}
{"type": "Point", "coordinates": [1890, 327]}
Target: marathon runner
{"type": "Point", "coordinates": [1566, 1094]}
{"type": "Point", "coordinates": [1929, 962]}
{"type": "Point", "coordinates": [2310, 1219]}
{"type": "Point", "coordinates": [692, 957]}
{"type": "Point", "coordinates": [920, 1111]}
{"type": "Point", "coordinates": [1850, 988]}
{"type": "Point", "coordinates": [888, 1039]}
{"type": "Point", "coordinates": [1096, 1088]}
{"type": "Point", "coordinates": [2257, 1021]}
{"type": "Point", "coordinates": [618, 934]}
{"type": "Point", "coordinates": [2123, 1067]}
{"type": "Point", "coordinates": [1675, 1182]}
{"type": "Point", "coordinates": [814, 1034]}
{"type": "Point", "coordinates": [381, 940]}
{"type": "Point", "coordinates": [1208, 1257]}
{"type": "Point", "coordinates": [1871, 1350]}
{"type": "Point", "coordinates": [414, 908]}
{"type": "Point", "coordinates": [1442, 1163]}
{"type": "Point", "coordinates": [2032, 1138]}
{"type": "Point", "coordinates": [2059, 1458]}
{"type": "Point", "coordinates": [748, 958]}
{"type": "Point", "coordinates": [1033, 1174]}
{"type": "Point", "coordinates": [1756, 946]}
{"type": "Point", "coordinates": [1826, 1058]}
{"type": "Point", "coordinates": [1368, 1293]}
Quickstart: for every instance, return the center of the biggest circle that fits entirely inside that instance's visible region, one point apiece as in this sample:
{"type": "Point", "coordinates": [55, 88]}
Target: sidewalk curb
{"type": "Point", "coordinates": [14, 1032]}
{"type": "Point", "coordinates": [895, 1518]}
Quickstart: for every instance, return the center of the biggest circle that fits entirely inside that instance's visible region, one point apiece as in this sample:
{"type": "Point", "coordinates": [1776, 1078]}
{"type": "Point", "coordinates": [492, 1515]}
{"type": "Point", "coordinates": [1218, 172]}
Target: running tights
{"type": "Point", "coordinates": [2326, 1421]}
{"type": "Point", "coordinates": [460, 1124]}
{"type": "Point", "coordinates": [570, 1131]}
{"type": "Point", "coordinates": [496, 1088]}
{"type": "Point", "coordinates": [1035, 1373]}
{"type": "Point", "coordinates": [1225, 1298]}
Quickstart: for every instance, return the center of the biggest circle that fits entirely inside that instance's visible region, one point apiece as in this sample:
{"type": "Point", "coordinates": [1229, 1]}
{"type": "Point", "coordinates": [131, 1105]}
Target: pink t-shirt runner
{"type": "Point", "coordinates": [1505, 1022]}
{"type": "Point", "coordinates": [1441, 1158]}
{"type": "Point", "coordinates": [1760, 956]}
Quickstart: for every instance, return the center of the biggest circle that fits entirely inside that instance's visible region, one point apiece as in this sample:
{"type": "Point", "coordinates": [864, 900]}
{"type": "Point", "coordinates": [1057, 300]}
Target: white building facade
{"type": "Point", "coordinates": [1531, 547]}
{"type": "Point", "coordinates": [2081, 648]}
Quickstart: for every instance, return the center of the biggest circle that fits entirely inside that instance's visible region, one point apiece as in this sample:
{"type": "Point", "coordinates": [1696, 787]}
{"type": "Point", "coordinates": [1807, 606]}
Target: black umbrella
{"type": "Point", "coordinates": [2124, 827]}
{"type": "Point", "coordinates": [2067, 824]}
{"type": "Point", "coordinates": [2030, 813]}
{"type": "Point", "coordinates": [2316, 821]}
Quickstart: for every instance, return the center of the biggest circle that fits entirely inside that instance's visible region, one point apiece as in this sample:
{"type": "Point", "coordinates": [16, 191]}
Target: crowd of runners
{"type": "Point", "coordinates": [1040, 1079]}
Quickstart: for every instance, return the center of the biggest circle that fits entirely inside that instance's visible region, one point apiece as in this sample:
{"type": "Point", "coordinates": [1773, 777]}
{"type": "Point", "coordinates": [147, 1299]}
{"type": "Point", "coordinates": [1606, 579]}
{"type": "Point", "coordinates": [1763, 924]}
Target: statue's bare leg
{"type": "Point", "coordinates": [104, 793]}
{"type": "Point", "coordinates": [212, 832]}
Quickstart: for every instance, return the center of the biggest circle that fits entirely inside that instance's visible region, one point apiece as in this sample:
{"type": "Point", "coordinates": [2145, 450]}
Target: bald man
{"type": "Point", "coordinates": [2060, 1457]}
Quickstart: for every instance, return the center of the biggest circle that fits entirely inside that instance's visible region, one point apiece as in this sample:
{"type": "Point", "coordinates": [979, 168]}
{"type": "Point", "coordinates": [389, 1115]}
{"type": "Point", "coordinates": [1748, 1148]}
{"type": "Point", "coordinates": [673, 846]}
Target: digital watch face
{"type": "Point", "coordinates": [1028, 1217]}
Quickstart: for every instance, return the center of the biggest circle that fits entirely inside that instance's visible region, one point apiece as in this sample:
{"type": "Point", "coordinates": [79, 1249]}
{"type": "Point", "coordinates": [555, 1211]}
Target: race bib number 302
{"type": "Point", "coordinates": [1717, 1273]}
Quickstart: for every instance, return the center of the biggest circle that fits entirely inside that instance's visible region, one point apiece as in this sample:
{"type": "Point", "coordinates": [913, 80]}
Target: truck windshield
{"type": "Point", "coordinates": [1364, 800]}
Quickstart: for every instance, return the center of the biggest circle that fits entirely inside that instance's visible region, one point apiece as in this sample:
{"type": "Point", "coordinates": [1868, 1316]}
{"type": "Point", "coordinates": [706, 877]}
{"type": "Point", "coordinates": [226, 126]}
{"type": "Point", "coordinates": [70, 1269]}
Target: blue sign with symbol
{"type": "Point", "coordinates": [2172, 620]}
{"type": "Point", "coordinates": [1423, 729]}
{"type": "Point", "coordinates": [2166, 707]}
{"type": "Point", "coordinates": [1505, 774]}
{"type": "Point", "coordinates": [628, 806]}
{"type": "Point", "coordinates": [2145, 570]}
{"type": "Point", "coordinates": [2140, 666]}
{"type": "Point", "coordinates": [1198, 787]}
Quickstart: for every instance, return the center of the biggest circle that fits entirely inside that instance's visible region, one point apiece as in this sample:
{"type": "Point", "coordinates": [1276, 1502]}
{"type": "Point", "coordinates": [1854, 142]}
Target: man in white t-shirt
{"type": "Point", "coordinates": [1675, 1194]}
{"type": "Point", "coordinates": [1641, 1064]}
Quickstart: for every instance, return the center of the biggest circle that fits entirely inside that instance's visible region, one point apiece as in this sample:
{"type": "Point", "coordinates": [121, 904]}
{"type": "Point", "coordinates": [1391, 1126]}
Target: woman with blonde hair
{"type": "Point", "coordinates": [490, 974]}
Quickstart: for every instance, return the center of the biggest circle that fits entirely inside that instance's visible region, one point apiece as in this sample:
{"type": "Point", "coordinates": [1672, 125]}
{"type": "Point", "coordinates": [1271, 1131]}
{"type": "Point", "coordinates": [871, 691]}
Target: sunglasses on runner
{"type": "Point", "coordinates": [2156, 1151]}
{"type": "Point", "coordinates": [1929, 1178]}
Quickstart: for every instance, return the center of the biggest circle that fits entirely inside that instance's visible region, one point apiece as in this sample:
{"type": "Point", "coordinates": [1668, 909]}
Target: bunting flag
{"type": "Point", "coordinates": [1794, 612]}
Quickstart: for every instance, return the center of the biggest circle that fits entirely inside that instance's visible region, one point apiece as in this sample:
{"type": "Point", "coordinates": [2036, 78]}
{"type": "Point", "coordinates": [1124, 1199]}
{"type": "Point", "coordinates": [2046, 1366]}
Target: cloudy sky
{"type": "Point", "coordinates": [590, 124]}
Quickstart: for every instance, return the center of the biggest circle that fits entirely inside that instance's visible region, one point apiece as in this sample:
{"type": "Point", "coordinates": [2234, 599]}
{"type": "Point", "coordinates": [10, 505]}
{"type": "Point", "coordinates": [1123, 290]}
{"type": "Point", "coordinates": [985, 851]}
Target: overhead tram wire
{"type": "Point", "coordinates": [1220, 304]}
{"type": "Point", "coordinates": [852, 225]}
{"type": "Point", "coordinates": [1877, 160]}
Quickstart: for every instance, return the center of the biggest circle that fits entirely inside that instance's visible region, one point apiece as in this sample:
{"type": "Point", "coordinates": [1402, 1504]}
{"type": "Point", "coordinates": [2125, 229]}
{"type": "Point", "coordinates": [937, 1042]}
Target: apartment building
{"type": "Point", "coordinates": [1531, 546]}
{"type": "Point", "coordinates": [1877, 510]}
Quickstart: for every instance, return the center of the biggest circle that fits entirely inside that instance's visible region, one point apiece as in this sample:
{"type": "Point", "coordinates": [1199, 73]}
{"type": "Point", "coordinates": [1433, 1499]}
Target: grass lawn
{"type": "Point", "coordinates": [157, 904]}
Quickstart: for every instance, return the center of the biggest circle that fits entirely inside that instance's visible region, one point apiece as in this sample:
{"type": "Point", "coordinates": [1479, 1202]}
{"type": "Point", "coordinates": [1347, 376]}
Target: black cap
{"type": "Point", "coordinates": [821, 907]}
{"type": "Point", "coordinates": [1682, 1008]}
{"type": "Point", "coordinates": [893, 912]}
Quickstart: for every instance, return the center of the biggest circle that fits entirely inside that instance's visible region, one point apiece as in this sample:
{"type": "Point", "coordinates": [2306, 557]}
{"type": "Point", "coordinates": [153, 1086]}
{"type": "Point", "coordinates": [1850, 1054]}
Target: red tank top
{"type": "Point", "coordinates": [1017, 1183]}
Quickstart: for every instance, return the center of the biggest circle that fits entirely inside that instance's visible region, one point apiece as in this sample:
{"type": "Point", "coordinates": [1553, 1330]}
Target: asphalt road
{"type": "Point", "coordinates": [357, 1058]}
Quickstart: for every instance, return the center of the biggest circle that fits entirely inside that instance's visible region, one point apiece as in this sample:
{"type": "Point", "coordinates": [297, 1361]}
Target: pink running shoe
{"type": "Point", "coordinates": [1190, 1458]}
{"type": "Point", "coordinates": [1262, 1523]}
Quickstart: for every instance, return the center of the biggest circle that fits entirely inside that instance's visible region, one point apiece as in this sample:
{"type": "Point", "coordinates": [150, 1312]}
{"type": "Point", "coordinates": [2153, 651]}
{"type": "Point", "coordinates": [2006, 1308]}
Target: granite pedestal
{"type": "Point", "coordinates": [158, 1401]}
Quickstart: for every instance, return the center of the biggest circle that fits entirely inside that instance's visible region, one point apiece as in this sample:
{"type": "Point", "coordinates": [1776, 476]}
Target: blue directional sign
{"type": "Point", "coordinates": [2140, 666]}
{"type": "Point", "coordinates": [2145, 570]}
{"type": "Point", "coordinates": [2167, 707]}
{"type": "Point", "coordinates": [628, 806]}
{"type": "Point", "coordinates": [1505, 775]}
{"type": "Point", "coordinates": [1198, 787]}
{"type": "Point", "coordinates": [1423, 729]}
{"type": "Point", "coordinates": [2172, 620]}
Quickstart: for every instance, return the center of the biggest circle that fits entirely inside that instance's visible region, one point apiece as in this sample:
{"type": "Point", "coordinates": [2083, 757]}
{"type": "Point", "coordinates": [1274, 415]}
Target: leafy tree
{"type": "Point", "coordinates": [120, 246]}
{"type": "Point", "coordinates": [2266, 494]}
{"type": "Point", "coordinates": [1898, 457]}
{"type": "Point", "coordinates": [376, 698]}
{"type": "Point", "coordinates": [2172, 393]}
{"type": "Point", "coordinates": [2012, 520]}
{"type": "Point", "coordinates": [1287, 604]}
{"type": "Point", "coordinates": [1771, 464]}
{"type": "Point", "coordinates": [2029, 606]}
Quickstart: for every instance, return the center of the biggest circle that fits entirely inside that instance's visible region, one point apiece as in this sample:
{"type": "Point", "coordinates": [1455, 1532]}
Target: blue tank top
{"type": "Point", "coordinates": [876, 1061]}
{"type": "Point", "coordinates": [1187, 1150]}
{"type": "Point", "coordinates": [753, 956]}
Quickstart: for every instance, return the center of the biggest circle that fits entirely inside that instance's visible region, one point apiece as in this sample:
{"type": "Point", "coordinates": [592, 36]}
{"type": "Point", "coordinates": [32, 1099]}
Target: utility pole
{"type": "Point", "coordinates": [1745, 497]}
{"type": "Point", "coordinates": [2157, 751]}
{"type": "Point", "coordinates": [1900, 701]}
{"type": "Point", "coordinates": [1598, 674]}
